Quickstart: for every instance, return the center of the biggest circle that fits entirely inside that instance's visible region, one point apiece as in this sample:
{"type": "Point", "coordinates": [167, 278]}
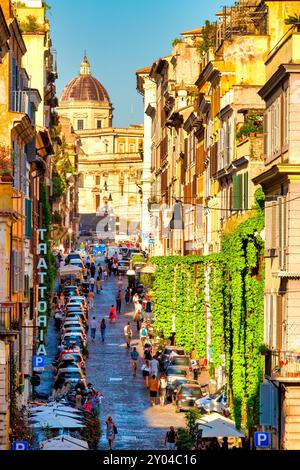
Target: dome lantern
{"type": "Point", "coordinates": [85, 68]}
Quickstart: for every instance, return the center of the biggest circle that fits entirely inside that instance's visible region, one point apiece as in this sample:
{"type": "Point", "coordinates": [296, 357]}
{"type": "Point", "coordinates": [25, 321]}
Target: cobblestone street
{"type": "Point", "coordinates": [125, 397]}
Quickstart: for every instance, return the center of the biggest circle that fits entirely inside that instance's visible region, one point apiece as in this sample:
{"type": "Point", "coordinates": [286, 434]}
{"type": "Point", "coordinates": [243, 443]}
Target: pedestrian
{"type": "Point", "coordinates": [111, 431]}
{"type": "Point", "coordinates": [143, 334]}
{"type": "Point", "coordinates": [127, 295]}
{"type": "Point", "coordinates": [88, 404]}
{"type": "Point", "coordinates": [171, 438]}
{"type": "Point", "coordinates": [128, 334]}
{"type": "Point", "coordinates": [98, 285]}
{"type": "Point", "coordinates": [134, 360]}
{"type": "Point", "coordinates": [100, 271]}
{"type": "Point", "coordinates": [90, 297]}
{"type": "Point", "coordinates": [135, 300]}
{"type": "Point", "coordinates": [92, 270]}
{"type": "Point", "coordinates": [105, 274]}
{"type": "Point", "coordinates": [93, 326]}
{"type": "Point", "coordinates": [114, 268]}
{"type": "Point", "coordinates": [154, 365]}
{"type": "Point", "coordinates": [153, 388]}
{"type": "Point", "coordinates": [147, 353]}
{"type": "Point", "coordinates": [84, 273]}
{"type": "Point", "coordinates": [146, 370]}
{"type": "Point", "coordinates": [78, 399]}
{"type": "Point", "coordinates": [103, 329]}
{"type": "Point", "coordinates": [162, 389]}
{"type": "Point", "coordinates": [92, 284]}
{"type": "Point", "coordinates": [112, 314]}
{"type": "Point", "coordinates": [120, 282]}
{"type": "Point", "coordinates": [80, 385]}
{"type": "Point", "coordinates": [119, 301]}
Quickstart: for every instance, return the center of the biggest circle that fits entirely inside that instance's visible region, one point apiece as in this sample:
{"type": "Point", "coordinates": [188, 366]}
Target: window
{"type": "Point", "coordinates": [285, 117]}
{"type": "Point", "coordinates": [121, 147]}
{"type": "Point", "coordinates": [28, 218]}
{"type": "Point", "coordinates": [273, 130]}
{"type": "Point", "coordinates": [81, 180]}
{"type": "Point", "coordinates": [99, 124]}
{"type": "Point", "coordinates": [97, 200]}
{"type": "Point", "coordinates": [80, 124]}
{"type": "Point", "coordinates": [131, 148]}
{"type": "Point", "coordinates": [97, 178]}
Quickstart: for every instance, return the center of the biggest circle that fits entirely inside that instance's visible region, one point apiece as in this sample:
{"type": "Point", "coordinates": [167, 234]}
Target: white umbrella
{"type": "Point", "coordinates": [56, 422]}
{"type": "Point", "coordinates": [54, 407]}
{"type": "Point", "coordinates": [36, 416]}
{"type": "Point", "coordinates": [64, 442]}
{"type": "Point", "coordinates": [215, 425]}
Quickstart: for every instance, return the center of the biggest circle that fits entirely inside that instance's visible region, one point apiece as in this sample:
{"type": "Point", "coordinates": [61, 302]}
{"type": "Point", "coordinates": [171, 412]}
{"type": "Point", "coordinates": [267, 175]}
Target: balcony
{"type": "Point", "coordinates": [9, 320]}
{"type": "Point", "coordinates": [20, 102]}
{"type": "Point", "coordinates": [283, 366]}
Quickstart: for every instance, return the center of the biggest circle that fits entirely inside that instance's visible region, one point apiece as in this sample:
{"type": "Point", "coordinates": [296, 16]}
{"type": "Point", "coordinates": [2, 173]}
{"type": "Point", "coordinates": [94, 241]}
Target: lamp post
{"type": "Point", "coordinates": [70, 231]}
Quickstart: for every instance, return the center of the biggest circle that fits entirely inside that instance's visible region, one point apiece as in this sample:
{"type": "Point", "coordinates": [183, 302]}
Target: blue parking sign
{"type": "Point", "coordinates": [38, 361]}
{"type": "Point", "coordinates": [19, 445]}
{"type": "Point", "coordinates": [262, 439]}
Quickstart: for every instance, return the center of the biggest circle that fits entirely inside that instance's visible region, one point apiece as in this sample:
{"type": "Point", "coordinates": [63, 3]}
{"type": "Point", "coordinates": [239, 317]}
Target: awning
{"type": "Point", "coordinates": [148, 269]}
{"type": "Point", "coordinates": [69, 269]}
{"type": "Point", "coordinates": [216, 425]}
{"type": "Point", "coordinates": [64, 442]}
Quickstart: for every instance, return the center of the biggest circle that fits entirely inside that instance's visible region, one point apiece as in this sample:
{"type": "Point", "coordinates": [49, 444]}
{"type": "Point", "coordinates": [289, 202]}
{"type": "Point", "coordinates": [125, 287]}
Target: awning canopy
{"type": "Point", "coordinates": [216, 425]}
{"type": "Point", "coordinates": [64, 442]}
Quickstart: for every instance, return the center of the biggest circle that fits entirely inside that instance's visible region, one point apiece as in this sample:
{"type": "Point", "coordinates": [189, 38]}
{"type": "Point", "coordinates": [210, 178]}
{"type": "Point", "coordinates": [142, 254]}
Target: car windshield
{"type": "Point", "coordinates": [182, 361]}
{"type": "Point", "coordinates": [175, 371]}
{"type": "Point", "coordinates": [69, 375]}
{"type": "Point", "coordinates": [217, 393]}
{"type": "Point", "coordinates": [179, 352]}
{"type": "Point", "coordinates": [191, 391]}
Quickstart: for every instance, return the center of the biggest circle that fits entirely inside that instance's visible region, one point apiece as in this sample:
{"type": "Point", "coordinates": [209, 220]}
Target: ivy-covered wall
{"type": "Point", "coordinates": [236, 293]}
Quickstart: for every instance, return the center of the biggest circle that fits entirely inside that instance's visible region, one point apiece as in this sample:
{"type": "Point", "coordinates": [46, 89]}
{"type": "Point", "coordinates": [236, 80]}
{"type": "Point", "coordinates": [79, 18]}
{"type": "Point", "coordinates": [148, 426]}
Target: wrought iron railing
{"type": "Point", "coordinates": [282, 365]}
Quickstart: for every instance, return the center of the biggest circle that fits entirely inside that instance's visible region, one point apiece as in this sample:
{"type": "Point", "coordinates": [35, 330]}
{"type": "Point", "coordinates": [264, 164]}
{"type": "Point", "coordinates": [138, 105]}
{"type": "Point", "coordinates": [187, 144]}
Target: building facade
{"type": "Point", "coordinates": [109, 161]}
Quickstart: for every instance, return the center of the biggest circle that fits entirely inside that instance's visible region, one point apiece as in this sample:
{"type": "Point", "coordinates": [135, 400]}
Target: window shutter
{"type": "Point", "coordinates": [14, 273]}
{"type": "Point", "coordinates": [28, 218]}
{"type": "Point", "coordinates": [245, 202]}
{"type": "Point", "coordinates": [268, 404]}
{"type": "Point", "coordinates": [237, 188]}
{"type": "Point", "coordinates": [234, 201]}
{"type": "Point", "coordinates": [268, 231]}
{"type": "Point", "coordinates": [281, 211]}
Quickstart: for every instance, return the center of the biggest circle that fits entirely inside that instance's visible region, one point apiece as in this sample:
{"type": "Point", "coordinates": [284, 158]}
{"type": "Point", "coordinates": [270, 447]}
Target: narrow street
{"type": "Point", "coordinates": [125, 397]}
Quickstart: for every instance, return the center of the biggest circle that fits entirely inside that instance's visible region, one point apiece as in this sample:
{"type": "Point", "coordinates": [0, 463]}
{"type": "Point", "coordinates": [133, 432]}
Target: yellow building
{"type": "Point", "coordinates": [109, 160]}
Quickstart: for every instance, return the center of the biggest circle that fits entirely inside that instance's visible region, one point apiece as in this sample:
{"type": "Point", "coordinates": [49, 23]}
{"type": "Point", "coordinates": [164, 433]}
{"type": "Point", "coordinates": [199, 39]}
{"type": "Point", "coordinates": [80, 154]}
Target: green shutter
{"type": "Point", "coordinates": [239, 190]}
{"type": "Point", "coordinates": [246, 190]}
{"type": "Point", "coordinates": [234, 193]}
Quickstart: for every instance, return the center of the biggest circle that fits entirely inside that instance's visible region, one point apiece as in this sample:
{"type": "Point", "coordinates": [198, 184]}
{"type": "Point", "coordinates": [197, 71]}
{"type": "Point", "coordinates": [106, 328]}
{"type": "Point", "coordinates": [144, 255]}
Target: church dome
{"type": "Point", "coordinates": [84, 87]}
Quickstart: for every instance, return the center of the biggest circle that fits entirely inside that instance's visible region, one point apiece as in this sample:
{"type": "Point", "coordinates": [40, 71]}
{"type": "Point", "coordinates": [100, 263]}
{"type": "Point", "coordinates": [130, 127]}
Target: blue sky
{"type": "Point", "coordinates": [120, 36]}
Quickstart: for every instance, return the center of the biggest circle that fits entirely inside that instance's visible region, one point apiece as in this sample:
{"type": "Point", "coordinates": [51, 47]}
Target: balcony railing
{"type": "Point", "coordinates": [9, 318]}
{"type": "Point", "coordinates": [282, 365]}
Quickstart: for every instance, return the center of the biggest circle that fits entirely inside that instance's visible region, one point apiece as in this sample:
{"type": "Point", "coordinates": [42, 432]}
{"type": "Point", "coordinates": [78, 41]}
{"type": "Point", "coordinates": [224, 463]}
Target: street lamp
{"type": "Point", "coordinates": [70, 231]}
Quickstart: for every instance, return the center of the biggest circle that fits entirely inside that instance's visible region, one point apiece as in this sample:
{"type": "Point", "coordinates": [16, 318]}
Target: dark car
{"type": "Point", "coordinates": [123, 266]}
{"type": "Point", "coordinates": [172, 388]}
{"type": "Point", "coordinates": [173, 373]}
{"type": "Point", "coordinates": [165, 355]}
{"type": "Point", "coordinates": [71, 375]}
{"type": "Point", "coordinates": [186, 396]}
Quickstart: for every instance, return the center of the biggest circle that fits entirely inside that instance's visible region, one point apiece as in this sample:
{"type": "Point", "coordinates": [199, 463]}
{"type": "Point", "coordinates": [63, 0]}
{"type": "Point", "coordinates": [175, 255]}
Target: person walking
{"type": "Point", "coordinates": [92, 270]}
{"type": "Point", "coordinates": [93, 326]}
{"type": "Point", "coordinates": [112, 314]}
{"type": "Point", "coordinates": [143, 334]}
{"type": "Point", "coordinates": [135, 300]}
{"type": "Point", "coordinates": [146, 372]}
{"type": "Point", "coordinates": [98, 285]}
{"type": "Point", "coordinates": [105, 274]}
{"type": "Point", "coordinates": [92, 283]}
{"type": "Point", "coordinates": [119, 301]}
{"type": "Point", "coordinates": [154, 365]}
{"type": "Point", "coordinates": [127, 295]}
{"type": "Point", "coordinates": [100, 271]}
{"type": "Point", "coordinates": [171, 438]}
{"type": "Point", "coordinates": [134, 360]}
{"type": "Point", "coordinates": [153, 388]}
{"type": "Point", "coordinates": [162, 389]}
{"type": "Point", "coordinates": [128, 334]}
{"type": "Point", "coordinates": [91, 297]}
{"type": "Point", "coordinates": [111, 431]}
{"type": "Point", "coordinates": [78, 399]}
{"type": "Point", "coordinates": [103, 329]}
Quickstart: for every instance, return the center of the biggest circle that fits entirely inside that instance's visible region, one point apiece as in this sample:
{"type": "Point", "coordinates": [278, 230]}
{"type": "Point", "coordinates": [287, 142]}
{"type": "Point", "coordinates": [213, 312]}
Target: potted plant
{"type": "Point", "coordinates": [5, 164]}
{"type": "Point", "coordinates": [263, 349]}
{"type": "Point", "coordinates": [293, 20]}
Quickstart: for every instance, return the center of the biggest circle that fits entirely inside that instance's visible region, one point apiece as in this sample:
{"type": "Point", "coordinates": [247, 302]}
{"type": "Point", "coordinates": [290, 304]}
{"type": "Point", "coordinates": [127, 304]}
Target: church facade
{"type": "Point", "coordinates": [110, 160]}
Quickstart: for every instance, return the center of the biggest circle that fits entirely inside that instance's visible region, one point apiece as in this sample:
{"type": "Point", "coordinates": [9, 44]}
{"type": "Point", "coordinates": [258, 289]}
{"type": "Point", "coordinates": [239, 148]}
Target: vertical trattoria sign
{"type": "Point", "coordinates": [42, 268]}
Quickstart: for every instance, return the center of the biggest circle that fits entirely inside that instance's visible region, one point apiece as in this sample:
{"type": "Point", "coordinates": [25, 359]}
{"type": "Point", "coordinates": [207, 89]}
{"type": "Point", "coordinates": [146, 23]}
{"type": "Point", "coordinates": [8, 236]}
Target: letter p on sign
{"type": "Point", "coordinates": [20, 445]}
{"type": "Point", "coordinates": [262, 439]}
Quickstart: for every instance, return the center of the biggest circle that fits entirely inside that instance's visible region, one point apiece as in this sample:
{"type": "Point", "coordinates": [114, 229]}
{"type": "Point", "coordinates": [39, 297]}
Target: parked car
{"type": "Point", "coordinates": [73, 256]}
{"type": "Point", "coordinates": [186, 396]}
{"type": "Point", "coordinates": [165, 355]}
{"type": "Point", "coordinates": [68, 358]}
{"type": "Point", "coordinates": [123, 266]}
{"type": "Point", "coordinates": [134, 251]}
{"type": "Point", "coordinates": [72, 307]}
{"type": "Point", "coordinates": [215, 402]}
{"type": "Point", "coordinates": [123, 250]}
{"type": "Point", "coordinates": [73, 321]}
{"type": "Point", "coordinates": [69, 291]}
{"type": "Point", "coordinates": [75, 329]}
{"type": "Point", "coordinates": [78, 300]}
{"type": "Point", "coordinates": [174, 372]}
{"type": "Point", "coordinates": [173, 387]}
{"type": "Point", "coordinates": [184, 361]}
{"type": "Point", "coordinates": [76, 315]}
{"type": "Point", "coordinates": [77, 262]}
{"type": "Point", "coordinates": [71, 374]}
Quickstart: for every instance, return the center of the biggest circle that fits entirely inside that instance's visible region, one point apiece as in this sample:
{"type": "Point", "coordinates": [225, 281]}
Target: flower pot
{"type": "Point", "coordinates": [6, 178]}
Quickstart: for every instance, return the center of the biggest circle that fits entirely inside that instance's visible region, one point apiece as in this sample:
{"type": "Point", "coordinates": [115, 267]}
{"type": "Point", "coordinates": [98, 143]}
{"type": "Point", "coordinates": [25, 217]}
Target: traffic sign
{"type": "Point", "coordinates": [262, 439]}
{"type": "Point", "coordinates": [19, 445]}
{"type": "Point", "coordinates": [38, 363]}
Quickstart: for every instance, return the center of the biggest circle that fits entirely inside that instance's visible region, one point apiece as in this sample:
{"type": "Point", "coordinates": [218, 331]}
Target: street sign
{"type": "Point", "coordinates": [19, 445]}
{"type": "Point", "coordinates": [262, 439]}
{"type": "Point", "coordinates": [38, 363]}
{"type": "Point", "coordinates": [151, 241]}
